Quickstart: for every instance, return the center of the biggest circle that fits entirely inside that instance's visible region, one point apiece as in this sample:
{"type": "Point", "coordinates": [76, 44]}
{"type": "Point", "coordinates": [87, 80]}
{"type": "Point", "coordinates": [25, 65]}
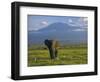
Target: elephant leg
{"type": "Point", "coordinates": [52, 53]}
{"type": "Point", "coordinates": [56, 53]}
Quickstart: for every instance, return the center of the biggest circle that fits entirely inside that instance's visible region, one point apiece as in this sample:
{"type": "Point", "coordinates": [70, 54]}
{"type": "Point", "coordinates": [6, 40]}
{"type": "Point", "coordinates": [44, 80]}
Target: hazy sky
{"type": "Point", "coordinates": [36, 22]}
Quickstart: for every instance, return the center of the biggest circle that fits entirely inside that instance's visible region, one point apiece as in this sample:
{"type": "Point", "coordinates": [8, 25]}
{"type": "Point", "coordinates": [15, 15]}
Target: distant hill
{"type": "Point", "coordinates": [63, 32]}
{"type": "Point", "coordinates": [58, 26]}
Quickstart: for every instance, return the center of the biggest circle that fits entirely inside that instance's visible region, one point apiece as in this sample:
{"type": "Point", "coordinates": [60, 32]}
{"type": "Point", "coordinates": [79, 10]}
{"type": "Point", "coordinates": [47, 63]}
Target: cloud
{"type": "Point", "coordinates": [80, 22]}
{"type": "Point", "coordinates": [85, 19]}
{"type": "Point", "coordinates": [35, 29]}
{"type": "Point", "coordinates": [79, 30]}
{"type": "Point", "coordinates": [70, 20]}
{"type": "Point", "coordinates": [37, 32]}
{"type": "Point", "coordinates": [39, 25]}
{"type": "Point", "coordinates": [44, 23]}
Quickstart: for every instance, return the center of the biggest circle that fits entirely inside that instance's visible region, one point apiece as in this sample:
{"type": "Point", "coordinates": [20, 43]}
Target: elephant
{"type": "Point", "coordinates": [52, 46]}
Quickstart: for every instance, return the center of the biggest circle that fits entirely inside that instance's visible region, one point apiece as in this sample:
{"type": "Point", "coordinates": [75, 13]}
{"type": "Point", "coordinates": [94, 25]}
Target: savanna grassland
{"type": "Point", "coordinates": [67, 55]}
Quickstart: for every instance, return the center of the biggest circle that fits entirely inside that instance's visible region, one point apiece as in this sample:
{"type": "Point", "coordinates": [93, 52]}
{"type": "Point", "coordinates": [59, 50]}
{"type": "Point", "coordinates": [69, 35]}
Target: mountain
{"type": "Point", "coordinates": [58, 27]}
{"type": "Point", "coordinates": [61, 31]}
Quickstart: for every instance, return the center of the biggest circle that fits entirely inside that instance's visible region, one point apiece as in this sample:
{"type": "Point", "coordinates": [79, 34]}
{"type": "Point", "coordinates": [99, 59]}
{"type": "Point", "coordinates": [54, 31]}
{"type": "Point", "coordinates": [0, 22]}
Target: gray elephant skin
{"type": "Point", "coordinates": [52, 46]}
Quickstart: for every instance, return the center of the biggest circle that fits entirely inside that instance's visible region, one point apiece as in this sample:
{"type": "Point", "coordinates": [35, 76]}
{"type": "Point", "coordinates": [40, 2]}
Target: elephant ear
{"type": "Point", "coordinates": [55, 44]}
